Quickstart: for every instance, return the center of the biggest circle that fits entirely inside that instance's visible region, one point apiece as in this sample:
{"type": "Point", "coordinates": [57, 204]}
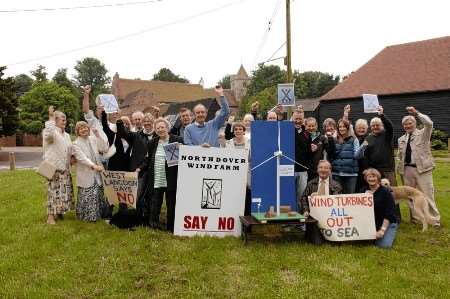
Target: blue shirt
{"type": "Point", "coordinates": [195, 134]}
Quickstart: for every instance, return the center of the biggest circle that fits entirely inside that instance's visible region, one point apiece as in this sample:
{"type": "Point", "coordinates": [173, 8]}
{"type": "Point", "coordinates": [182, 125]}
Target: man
{"type": "Point", "coordinates": [136, 121]}
{"type": "Point", "coordinates": [206, 133]}
{"type": "Point", "coordinates": [321, 185]}
{"type": "Point", "coordinates": [415, 160]}
{"type": "Point", "coordinates": [303, 151]}
{"type": "Point", "coordinates": [184, 119]}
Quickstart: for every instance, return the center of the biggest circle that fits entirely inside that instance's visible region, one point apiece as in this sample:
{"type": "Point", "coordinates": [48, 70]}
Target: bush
{"type": "Point", "coordinates": [439, 140]}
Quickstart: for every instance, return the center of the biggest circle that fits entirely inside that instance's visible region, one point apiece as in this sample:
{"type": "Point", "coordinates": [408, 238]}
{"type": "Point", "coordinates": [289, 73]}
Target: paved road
{"type": "Point", "coordinates": [26, 157]}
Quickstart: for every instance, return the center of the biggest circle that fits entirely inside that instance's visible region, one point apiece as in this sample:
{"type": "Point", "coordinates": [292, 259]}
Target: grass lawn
{"type": "Point", "coordinates": [85, 260]}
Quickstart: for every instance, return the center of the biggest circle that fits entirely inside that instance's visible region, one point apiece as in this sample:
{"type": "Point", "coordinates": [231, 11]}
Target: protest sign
{"type": "Point", "coordinates": [370, 103]}
{"type": "Point", "coordinates": [211, 191]}
{"type": "Point", "coordinates": [172, 151]}
{"type": "Point", "coordinates": [120, 187]}
{"type": "Point", "coordinates": [344, 217]}
{"type": "Point", "coordinates": [286, 96]}
{"type": "Point", "coordinates": [109, 103]}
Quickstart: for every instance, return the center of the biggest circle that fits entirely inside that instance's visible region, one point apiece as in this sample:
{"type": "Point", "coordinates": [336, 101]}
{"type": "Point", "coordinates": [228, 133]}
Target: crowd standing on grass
{"type": "Point", "coordinates": [342, 158]}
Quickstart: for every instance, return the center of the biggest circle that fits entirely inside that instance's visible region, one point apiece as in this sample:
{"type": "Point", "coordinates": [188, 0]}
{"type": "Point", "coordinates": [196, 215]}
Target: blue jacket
{"type": "Point", "coordinates": [344, 161]}
{"type": "Point", "coordinates": [195, 134]}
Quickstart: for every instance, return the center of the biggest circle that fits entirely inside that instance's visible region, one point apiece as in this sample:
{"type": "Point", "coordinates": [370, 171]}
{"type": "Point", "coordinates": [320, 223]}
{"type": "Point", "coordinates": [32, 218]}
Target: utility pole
{"type": "Point", "coordinates": [287, 60]}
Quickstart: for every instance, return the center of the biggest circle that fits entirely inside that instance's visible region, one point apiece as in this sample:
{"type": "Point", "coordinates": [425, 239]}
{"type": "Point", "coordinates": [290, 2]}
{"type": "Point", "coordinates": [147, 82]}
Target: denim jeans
{"type": "Point", "coordinates": [388, 238]}
{"type": "Point", "coordinates": [348, 183]}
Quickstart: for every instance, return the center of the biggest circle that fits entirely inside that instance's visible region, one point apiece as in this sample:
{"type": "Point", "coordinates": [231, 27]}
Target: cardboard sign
{"type": "Point", "coordinates": [211, 191]}
{"type": "Point", "coordinates": [370, 103]}
{"type": "Point", "coordinates": [120, 187]}
{"type": "Point", "coordinates": [109, 103]}
{"type": "Point", "coordinates": [172, 151]}
{"type": "Point", "coordinates": [344, 217]}
{"type": "Point", "coordinates": [286, 96]}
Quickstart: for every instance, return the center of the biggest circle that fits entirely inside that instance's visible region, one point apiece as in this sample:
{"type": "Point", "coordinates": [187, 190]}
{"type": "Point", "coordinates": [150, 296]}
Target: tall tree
{"type": "Point", "coordinates": [23, 83]}
{"type": "Point", "coordinates": [34, 106]}
{"type": "Point", "coordinates": [267, 99]}
{"type": "Point", "coordinates": [91, 71]}
{"type": "Point", "coordinates": [265, 76]}
{"type": "Point", "coordinates": [39, 74]}
{"type": "Point", "coordinates": [225, 82]}
{"type": "Point", "coordinates": [9, 119]}
{"type": "Point", "coordinates": [313, 84]}
{"type": "Point", "coordinates": [166, 74]}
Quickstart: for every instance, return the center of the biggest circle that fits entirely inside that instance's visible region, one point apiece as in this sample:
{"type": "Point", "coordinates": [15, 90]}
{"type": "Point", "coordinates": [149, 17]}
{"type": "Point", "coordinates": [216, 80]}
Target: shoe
{"type": "Point", "coordinates": [51, 220]}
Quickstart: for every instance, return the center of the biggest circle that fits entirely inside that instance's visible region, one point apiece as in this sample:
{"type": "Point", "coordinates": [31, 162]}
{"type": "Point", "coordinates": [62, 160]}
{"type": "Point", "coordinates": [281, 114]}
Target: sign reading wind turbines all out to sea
{"type": "Point", "coordinates": [272, 164]}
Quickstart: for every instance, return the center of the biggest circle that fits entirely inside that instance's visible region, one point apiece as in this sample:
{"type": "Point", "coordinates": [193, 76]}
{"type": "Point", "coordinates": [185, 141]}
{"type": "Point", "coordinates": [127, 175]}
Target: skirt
{"type": "Point", "coordinates": [91, 203]}
{"type": "Point", "coordinates": [60, 193]}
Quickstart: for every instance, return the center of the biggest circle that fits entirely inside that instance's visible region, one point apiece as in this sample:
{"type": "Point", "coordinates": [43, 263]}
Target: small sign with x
{"type": "Point", "coordinates": [286, 96]}
{"type": "Point", "coordinates": [172, 150]}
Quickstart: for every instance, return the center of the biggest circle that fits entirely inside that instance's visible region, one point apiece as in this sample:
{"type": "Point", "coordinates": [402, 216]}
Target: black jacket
{"type": "Point", "coordinates": [149, 165]}
{"type": "Point", "coordinates": [121, 159]}
{"type": "Point", "coordinates": [303, 153]}
{"type": "Point", "coordinates": [324, 144]}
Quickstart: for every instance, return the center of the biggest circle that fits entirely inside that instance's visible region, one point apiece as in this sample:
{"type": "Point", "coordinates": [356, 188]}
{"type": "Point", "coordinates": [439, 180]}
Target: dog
{"type": "Point", "coordinates": [418, 199]}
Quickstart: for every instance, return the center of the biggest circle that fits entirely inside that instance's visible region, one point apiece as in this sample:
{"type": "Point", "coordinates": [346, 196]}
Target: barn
{"type": "Point", "coordinates": [412, 74]}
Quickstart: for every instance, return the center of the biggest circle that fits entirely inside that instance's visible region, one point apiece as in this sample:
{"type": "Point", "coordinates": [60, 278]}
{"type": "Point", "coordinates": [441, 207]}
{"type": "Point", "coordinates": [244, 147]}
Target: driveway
{"type": "Point", "coordinates": [26, 157]}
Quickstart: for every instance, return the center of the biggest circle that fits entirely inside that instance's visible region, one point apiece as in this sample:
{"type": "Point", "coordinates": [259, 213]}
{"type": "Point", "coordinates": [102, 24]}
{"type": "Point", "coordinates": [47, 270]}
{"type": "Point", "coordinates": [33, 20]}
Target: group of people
{"type": "Point", "coordinates": [342, 158]}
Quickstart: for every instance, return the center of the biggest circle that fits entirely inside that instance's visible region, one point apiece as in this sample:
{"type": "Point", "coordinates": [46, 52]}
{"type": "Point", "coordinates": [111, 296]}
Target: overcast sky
{"type": "Point", "coordinates": [330, 36]}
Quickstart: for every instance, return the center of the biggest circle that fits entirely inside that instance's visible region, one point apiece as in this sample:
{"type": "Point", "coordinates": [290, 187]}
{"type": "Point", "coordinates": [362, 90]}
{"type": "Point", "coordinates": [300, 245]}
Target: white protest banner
{"type": "Point", "coordinates": [344, 217]}
{"type": "Point", "coordinates": [286, 96]}
{"type": "Point", "coordinates": [370, 103]}
{"type": "Point", "coordinates": [211, 191]}
{"type": "Point", "coordinates": [172, 151]}
{"type": "Point", "coordinates": [120, 187]}
{"type": "Point", "coordinates": [109, 103]}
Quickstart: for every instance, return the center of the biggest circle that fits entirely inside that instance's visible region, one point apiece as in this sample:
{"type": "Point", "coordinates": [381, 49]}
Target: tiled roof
{"type": "Point", "coordinates": [406, 68]}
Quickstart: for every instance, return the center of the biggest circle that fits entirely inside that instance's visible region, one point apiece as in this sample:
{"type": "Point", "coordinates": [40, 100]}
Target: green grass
{"type": "Point", "coordinates": [84, 260]}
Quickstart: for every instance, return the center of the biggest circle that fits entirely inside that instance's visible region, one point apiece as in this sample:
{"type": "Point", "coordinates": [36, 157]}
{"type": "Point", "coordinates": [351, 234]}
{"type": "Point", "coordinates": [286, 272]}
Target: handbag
{"type": "Point", "coordinates": [112, 149]}
{"type": "Point", "coordinates": [46, 169]}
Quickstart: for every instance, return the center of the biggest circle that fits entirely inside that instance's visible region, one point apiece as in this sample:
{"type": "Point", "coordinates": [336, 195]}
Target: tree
{"type": "Point", "coordinates": [166, 74]}
{"type": "Point", "coordinates": [267, 99]}
{"type": "Point", "coordinates": [265, 76]}
{"type": "Point", "coordinates": [9, 118]}
{"type": "Point", "coordinates": [34, 106]}
{"type": "Point", "coordinates": [61, 79]}
{"type": "Point", "coordinates": [91, 71]}
{"type": "Point", "coordinates": [225, 82]}
{"type": "Point", "coordinates": [22, 83]}
{"type": "Point", "coordinates": [313, 84]}
{"type": "Point", "coordinates": [39, 74]}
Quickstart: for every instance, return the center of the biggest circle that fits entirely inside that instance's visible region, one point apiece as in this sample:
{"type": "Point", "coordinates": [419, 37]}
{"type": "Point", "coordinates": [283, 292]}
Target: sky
{"type": "Point", "coordinates": [211, 38]}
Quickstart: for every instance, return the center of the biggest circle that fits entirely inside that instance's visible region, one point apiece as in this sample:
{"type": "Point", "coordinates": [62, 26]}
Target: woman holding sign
{"type": "Point", "coordinates": [161, 179]}
{"type": "Point", "coordinates": [91, 203]}
{"type": "Point", "coordinates": [384, 208]}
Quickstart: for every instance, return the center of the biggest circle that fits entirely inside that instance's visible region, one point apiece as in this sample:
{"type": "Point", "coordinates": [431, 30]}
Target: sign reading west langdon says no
{"type": "Point", "coordinates": [120, 187]}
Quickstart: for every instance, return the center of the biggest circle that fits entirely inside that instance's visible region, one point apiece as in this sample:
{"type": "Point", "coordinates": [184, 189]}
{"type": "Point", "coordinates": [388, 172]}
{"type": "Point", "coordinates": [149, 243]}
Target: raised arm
{"type": "Point", "coordinates": [347, 110]}
{"type": "Point", "coordinates": [426, 121]}
{"type": "Point", "coordinates": [388, 127]}
{"type": "Point", "coordinates": [49, 130]}
{"type": "Point", "coordinates": [124, 133]}
{"type": "Point", "coordinates": [219, 120]}
{"type": "Point", "coordinates": [109, 133]}
{"type": "Point", "coordinates": [86, 94]}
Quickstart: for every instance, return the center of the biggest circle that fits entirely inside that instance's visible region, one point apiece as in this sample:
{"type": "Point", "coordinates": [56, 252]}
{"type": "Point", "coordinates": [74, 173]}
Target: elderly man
{"type": "Point", "coordinates": [206, 133]}
{"type": "Point", "coordinates": [321, 185]}
{"type": "Point", "coordinates": [415, 160]}
{"type": "Point", "coordinates": [184, 119]}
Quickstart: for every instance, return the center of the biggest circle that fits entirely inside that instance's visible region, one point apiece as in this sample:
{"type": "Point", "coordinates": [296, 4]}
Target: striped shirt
{"type": "Point", "coordinates": [160, 166]}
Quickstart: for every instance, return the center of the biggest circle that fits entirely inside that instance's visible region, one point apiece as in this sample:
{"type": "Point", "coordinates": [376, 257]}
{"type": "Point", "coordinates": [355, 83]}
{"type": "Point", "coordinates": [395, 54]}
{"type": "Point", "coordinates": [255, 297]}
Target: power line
{"type": "Point", "coordinates": [282, 45]}
{"type": "Point", "coordinates": [182, 20]}
{"type": "Point", "coordinates": [78, 7]}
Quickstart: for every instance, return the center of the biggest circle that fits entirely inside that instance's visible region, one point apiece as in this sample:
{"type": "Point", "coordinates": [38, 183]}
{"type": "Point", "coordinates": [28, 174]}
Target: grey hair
{"type": "Point", "coordinates": [361, 122]}
{"type": "Point", "coordinates": [408, 117]}
{"type": "Point", "coordinates": [161, 120]}
{"type": "Point", "coordinates": [59, 114]}
{"type": "Point", "coordinates": [249, 116]}
{"type": "Point", "coordinates": [376, 120]}
{"type": "Point", "coordinates": [137, 113]}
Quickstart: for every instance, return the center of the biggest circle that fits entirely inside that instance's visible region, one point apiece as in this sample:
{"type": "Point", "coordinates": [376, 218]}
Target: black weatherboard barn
{"type": "Point", "coordinates": [413, 74]}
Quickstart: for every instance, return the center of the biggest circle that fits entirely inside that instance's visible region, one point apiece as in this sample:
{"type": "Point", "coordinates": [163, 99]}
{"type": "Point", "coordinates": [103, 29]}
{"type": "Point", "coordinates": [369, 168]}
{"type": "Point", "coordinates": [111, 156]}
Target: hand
{"type": "Point", "coordinates": [411, 110]}
{"type": "Point", "coordinates": [87, 89]}
{"type": "Point", "coordinates": [306, 214]}
{"type": "Point", "coordinates": [380, 110]}
{"type": "Point", "coordinates": [314, 147]}
{"type": "Point", "coordinates": [278, 109]}
{"type": "Point", "coordinates": [365, 143]}
{"type": "Point", "coordinates": [218, 90]}
{"type": "Point", "coordinates": [314, 194]}
{"type": "Point", "coordinates": [369, 191]}
{"type": "Point", "coordinates": [99, 168]}
{"type": "Point", "coordinates": [51, 113]}
{"type": "Point", "coordinates": [206, 145]}
{"type": "Point", "coordinates": [138, 170]}
{"type": "Point", "coordinates": [231, 119]}
{"type": "Point", "coordinates": [379, 234]}
{"type": "Point", "coordinates": [329, 133]}
{"type": "Point", "coordinates": [347, 108]}
{"type": "Point", "coordinates": [156, 111]}
{"type": "Point", "coordinates": [299, 108]}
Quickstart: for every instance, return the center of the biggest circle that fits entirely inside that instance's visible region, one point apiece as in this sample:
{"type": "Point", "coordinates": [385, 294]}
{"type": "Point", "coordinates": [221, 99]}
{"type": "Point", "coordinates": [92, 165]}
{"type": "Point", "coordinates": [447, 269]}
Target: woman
{"type": "Point", "coordinates": [361, 132]}
{"type": "Point", "coordinates": [241, 141]}
{"type": "Point", "coordinates": [247, 121]}
{"type": "Point", "coordinates": [57, 151]}
{"type": "Point", "coordinates": [91, 203]}
{"type": "Point", "coordinates": [329, 127]}
{"type": "Point", "coordinates": [161, 179]}
{"type": "Point", "coordinates": [344, 162]}
{"type": "Point", "coordinates": [120, 160]}
{"type": "Point", "coordinates": [320, 146]}
{"type": "Point", "coordinates": [385, 219]}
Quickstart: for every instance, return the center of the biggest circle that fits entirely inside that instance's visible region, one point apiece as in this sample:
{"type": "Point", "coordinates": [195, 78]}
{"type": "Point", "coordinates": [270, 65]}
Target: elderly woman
{"type": "Point", "coordinates": [241, 141]}
{"type": "Point", "coordinates": [161, 179]}
{"type": "Point", "coordinates": [344, 160]}
{"type": "Point", "coordinates": [91, 203]}
{"type": "Point", "coordinates": [57, 151]}
{"type": "Point", "coordinates": [385, 219]}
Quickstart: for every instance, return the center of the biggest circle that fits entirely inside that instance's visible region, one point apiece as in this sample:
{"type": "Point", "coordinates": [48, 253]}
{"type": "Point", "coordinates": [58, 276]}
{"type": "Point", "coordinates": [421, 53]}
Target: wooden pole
{"type": "Point", "coordinates": [288, 48]}
{"type": "Point", "coordinates": [12, 161]}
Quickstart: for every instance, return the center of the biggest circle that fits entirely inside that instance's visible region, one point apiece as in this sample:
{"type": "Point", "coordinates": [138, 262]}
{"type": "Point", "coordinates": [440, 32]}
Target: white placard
{"type": "Point", "coordinates": [286, 170]}
{"type": "Point", "coordinates": [370, 103]}
{"type": "Point", "coordinates": [344, 217]}
{"type": "Point", "coordinates": [286, 95]}
{"type": "Point", "coordinates": [120, 187]}
{"type": "Point", "coordinates": [109, 103]}
{"type": "Point", "coordinates": [210, 191]}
